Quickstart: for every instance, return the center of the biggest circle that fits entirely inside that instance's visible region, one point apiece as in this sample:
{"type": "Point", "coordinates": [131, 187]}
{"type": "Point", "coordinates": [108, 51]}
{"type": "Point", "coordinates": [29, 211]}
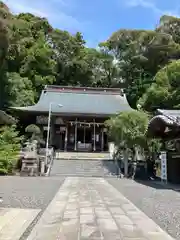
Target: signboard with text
{"type": "Point", "coordinates": [163, 158]}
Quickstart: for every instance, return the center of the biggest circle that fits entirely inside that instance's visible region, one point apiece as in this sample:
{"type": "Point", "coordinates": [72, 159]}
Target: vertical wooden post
{"type": "Point", "coordinates": [52, 130]}
{"type": "Point", "coordinates": [94, 147]}
{"type": "Point", "coordinates": [75, 137]}
{"type": "Point", "coordinates": [84, 133]}
{"type": "Point", "coordinates": [102, 140]}
{"type": "Point", "coordinates": [66, 138]}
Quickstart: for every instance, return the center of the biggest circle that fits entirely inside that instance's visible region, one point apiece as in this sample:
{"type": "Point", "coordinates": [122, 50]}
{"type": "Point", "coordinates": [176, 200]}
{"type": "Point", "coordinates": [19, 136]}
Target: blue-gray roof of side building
{"type": "Point", "coordinates": [172, 113]}
{"type": "Point", "coordinates": [164, 118]}
{"type": "Point", "coordinates": [80, 101]}
{"type": "Point", "coordinates": [6, 118]}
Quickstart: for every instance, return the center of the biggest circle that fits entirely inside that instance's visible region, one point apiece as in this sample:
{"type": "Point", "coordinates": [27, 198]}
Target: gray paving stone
{"type": "Point", "coordinates": [127, 238]}
{"type": "Point", "coordinates": [92, 238]}
{"type": "Point", "coordinates": [98, 212]}
{"type": "Point", "coordinates": [116, 211]}
{"type": "Point", "coordinates": [102, 213]}
{"type": "Point", "coordinates": [158, 236]}
{"type": "Point", "coordinates": [123, 220]}
{"type": "Point", "coordinates": [14, 221]}
{"type": "Point", "coordinates": [112, 235]}
{"type": "Point", "coordinates": [107, 224]}
{"type": "Point", "coordinates": [128, 207]}
{"type": "Point", "coordinates": [87, 210]}
{"type": "Point", "coordinates": [71, 214]}
{"type": "Point", "coordinates": [85, 204]}
{"type": "Point", "coordinates": [87, 219]}
{"type": "Point", "coordinates": [72, 206]}
{"type": "Point", "coordinates": [89, 231]}
{"type": "Point", "coordinates": [131, 231]}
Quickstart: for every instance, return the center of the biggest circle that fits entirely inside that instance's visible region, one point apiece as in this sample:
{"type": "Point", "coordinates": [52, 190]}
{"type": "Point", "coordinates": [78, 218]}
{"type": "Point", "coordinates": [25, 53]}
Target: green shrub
{"type": "Point", "coordinates": [33, 130]}
{"type": "Point", "coordinates": [9, 148]}
{"type": "Point", "coordinates": [34, 133]}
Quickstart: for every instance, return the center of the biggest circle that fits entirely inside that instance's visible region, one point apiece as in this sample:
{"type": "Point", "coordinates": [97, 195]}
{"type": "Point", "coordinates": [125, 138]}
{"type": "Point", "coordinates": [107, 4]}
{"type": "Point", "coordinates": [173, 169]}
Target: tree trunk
{"type": "Point", "coordinates": [134, 162]}
{"type": "Point", "coordinates": [126, 163]}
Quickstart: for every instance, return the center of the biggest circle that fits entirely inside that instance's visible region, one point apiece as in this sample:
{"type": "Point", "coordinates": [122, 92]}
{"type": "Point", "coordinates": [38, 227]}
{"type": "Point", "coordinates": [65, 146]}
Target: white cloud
{"type": "Point", "coordinates": [56, 11]}
{"type": "Point", "coordinates": [142, 3]}
{"type": "Point", "coordinates": [21, 7]}
{"type": "Point", "coordinates": [152, 6]}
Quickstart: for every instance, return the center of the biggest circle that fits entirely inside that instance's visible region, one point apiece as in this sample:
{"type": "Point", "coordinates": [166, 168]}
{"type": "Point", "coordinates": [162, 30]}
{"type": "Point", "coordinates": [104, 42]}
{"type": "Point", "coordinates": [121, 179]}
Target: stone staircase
{"type": "Point", "coordinates": [82, 155]}
{"type": "Point", "coordinates": [84, 168]}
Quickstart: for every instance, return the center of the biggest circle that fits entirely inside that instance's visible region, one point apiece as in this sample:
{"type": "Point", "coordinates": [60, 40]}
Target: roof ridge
{"type": "Point", "coordinates": [85, 92]}
{"type": "Point", "coordinates": [80, 89]}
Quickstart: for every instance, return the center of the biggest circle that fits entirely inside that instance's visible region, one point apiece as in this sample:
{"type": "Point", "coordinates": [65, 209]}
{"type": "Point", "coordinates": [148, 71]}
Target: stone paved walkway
{"type": "Point", "coordinates": [14, 221]}
{"type": "Point", "coordinates": [91, 208]}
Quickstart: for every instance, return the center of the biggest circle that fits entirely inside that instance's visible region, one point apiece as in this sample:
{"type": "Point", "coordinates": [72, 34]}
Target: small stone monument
{"type": "Point", "coordinates": [30, 161]}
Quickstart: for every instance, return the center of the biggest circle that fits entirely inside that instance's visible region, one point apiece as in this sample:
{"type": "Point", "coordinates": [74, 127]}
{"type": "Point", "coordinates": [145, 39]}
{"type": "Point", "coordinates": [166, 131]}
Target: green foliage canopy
{"type": "Point", "coordinates": [128, 128]}
{"type": "Point", "coordinates": [164, 93]}
{"type": "Point", "coordinates": [34, 54]}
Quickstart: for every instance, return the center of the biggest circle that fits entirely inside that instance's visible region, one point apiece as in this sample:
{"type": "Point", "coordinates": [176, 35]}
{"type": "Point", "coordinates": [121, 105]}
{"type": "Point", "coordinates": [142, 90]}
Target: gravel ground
{"type": "Point", "coordinates": [160, 204]}
{"type": "Point", "coordinates": [28, 192]}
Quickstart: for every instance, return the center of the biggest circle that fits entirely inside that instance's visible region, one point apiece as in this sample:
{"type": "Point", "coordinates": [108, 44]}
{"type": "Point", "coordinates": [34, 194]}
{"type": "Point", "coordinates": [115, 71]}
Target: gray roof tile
{"type": "Point", "coordinates": [169, 112]}
{"type": "Point", "coordinates": [77, 101]}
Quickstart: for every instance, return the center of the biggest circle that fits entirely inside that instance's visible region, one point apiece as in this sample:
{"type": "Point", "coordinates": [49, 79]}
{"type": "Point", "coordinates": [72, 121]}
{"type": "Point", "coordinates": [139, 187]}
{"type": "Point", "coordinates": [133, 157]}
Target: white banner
{"type": "Point", "coordinates": [163, 158]}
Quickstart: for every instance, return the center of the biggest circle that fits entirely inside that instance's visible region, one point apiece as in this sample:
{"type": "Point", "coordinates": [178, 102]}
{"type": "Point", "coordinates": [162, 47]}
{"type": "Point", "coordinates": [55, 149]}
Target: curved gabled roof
{"type": "Point", "coordinates": [166, 119]}
{"type": "Point", "coordinates": [173, 115]}
{"type": "Point", "coordinates": [75, 100]}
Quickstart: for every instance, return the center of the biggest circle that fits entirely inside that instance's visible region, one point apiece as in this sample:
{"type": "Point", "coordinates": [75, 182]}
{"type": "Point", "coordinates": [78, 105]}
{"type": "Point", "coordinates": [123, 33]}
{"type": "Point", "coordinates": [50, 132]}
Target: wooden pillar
{"type": "Point", "coordinates": [75, 137]}
{"type": "Point", "coordinates": [94, 145]}
{"type": "Point", "coordinates": [52, 131]}
{"type": "Point", "coordinates": [66, 138]}
{"type": "Point", "coordinates": [84, 133]}
{"type": "Point", "coordinates": [102, 140]}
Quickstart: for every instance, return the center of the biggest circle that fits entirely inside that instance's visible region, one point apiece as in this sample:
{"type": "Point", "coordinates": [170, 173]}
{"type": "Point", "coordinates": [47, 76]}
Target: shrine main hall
{"type": "Point", "coordinates": [77, 116]}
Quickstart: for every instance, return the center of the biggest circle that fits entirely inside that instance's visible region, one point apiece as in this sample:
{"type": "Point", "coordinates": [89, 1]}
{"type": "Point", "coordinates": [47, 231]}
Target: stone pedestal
{"type": "Point", "coordinates": [30, 161]}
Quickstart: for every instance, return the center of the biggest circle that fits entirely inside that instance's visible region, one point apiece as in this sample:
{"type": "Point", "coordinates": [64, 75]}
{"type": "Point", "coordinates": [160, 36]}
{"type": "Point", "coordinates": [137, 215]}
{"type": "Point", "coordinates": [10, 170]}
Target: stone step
{"type": "Point", "coordinates": [84, 168]}
{"type": "Point", "coordinates": [81, 155]}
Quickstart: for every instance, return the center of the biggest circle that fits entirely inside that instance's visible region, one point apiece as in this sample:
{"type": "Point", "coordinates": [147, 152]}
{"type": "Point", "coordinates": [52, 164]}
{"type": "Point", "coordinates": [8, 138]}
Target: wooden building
{"type": "Point", "coordinates": [77, 116]}
{"type": "Point", "coordinates": [166, 126]}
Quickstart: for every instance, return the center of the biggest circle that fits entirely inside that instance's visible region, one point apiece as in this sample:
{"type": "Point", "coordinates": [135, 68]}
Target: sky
{"type": "Point", "coordinates": [98, 19]}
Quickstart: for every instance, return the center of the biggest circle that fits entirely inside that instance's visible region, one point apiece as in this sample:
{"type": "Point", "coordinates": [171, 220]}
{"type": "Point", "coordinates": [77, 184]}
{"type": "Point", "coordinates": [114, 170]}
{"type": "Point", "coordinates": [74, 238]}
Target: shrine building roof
{"type": "Point", "coordinates": [80, 101]}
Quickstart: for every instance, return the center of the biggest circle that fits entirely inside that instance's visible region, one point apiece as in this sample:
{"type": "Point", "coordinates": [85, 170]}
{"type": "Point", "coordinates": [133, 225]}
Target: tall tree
{"type": "Point", "coordinates": [140, 55]}
{"type": "Point", "coordinates": [128, 132]}
{"type": "Point", "coordinates": [32, 51]}
{"type": "Point", "coordinates": [5, 19]}
{"type": "Point", "coordinates": [170, 25]}
{"type": "Point", "coordinates": [164, 92]}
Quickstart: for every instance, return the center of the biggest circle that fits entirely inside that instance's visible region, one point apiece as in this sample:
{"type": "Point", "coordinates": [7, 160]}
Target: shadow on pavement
{"type": "Point", "coordinates": [111, 166]}
{"type": "Point", "coordinates": [157, 184]}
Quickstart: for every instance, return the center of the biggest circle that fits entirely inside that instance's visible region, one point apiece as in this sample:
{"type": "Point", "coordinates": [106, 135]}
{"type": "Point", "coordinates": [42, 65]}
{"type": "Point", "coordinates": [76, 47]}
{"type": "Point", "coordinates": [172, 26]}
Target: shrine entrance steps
{"type": "Point", "coordinates": [84, 168]}
{"type": "Point", "coordinates": [82, 155]}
